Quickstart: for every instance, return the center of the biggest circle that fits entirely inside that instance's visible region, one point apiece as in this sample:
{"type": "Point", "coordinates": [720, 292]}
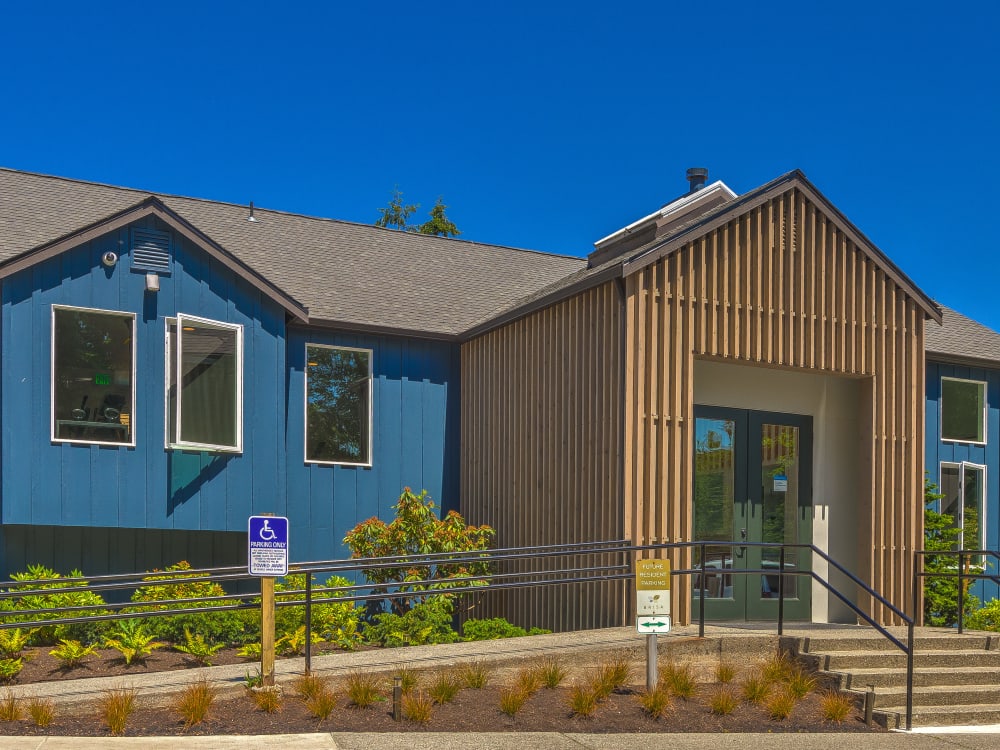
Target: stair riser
{"type": "Point", "coordinates": [845, 663]}
{"type": "Point", "coordinates": [943, 643]}
{"type": "Point", "coordinates": [951, 697]}
{"type": "Point", "coordinates": [946, 719]}
{"type": "Point", "coordinates": [897, 678]}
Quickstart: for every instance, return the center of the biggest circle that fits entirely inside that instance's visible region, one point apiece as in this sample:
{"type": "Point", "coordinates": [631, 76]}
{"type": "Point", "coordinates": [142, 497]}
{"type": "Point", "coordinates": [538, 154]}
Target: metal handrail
{"type": "Point", "coordinates": [609, 570]}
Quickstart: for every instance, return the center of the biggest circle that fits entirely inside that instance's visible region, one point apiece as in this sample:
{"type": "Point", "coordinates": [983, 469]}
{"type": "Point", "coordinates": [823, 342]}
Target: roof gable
{"type": "Point", "coordinates": [722, 215]}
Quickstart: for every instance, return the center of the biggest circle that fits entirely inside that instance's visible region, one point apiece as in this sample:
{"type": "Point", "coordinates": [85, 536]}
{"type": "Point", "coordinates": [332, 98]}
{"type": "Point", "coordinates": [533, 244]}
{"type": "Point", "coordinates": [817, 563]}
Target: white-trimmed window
{"type": "Point", "coordinates": [338, 405]}
{"type": "Point", "coordinates": [964, 488]}
{"type": "Point", "coordinates": [93, 376]}
{"type": "Point", "coordinates": [963, 410]}
{"type": "Point", "coordinates": [205, 357]}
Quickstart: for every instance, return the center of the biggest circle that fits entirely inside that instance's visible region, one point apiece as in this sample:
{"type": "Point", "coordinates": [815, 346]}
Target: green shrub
{"type": "Point", "coordinates": [987, 618]}
{"type": "Point", "coordinates": [427, 622]}
{"type": "Point", "coordinates": [10, 668]}
{"type": "Point", "coordinates": [335, 622]}
{"type": "Point", "coordinates": [941, 593]}
{"type": "Point", "coordinates": [198, 648]}
{"type": "Point", "coordinates": [77, 595]}
{"type": "Point", "coordinates": [493, 628]}
{"type": "Point", "coordinates": [418, 530]}
{"type": "Point", "coordinates": [294, 643]}
{"type": "Point", "coordinates": [71, 653]}
{"type": "Point", "coordinates": [132, 641]}
{"type": "Point", "coordinates": [13, 641]}
{"type": "Point", "coordinates": [218, 627]}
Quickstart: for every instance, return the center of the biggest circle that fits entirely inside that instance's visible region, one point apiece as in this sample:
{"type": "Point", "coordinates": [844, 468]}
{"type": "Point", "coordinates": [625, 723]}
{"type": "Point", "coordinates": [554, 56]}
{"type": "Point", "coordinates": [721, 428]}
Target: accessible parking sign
{"type": "Point", "coordinates": [267, 546]}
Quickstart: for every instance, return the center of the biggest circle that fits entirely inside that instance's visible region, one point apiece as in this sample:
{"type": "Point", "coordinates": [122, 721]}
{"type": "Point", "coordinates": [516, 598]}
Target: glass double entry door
{"type": "Point", "coordinates": [752, 483]}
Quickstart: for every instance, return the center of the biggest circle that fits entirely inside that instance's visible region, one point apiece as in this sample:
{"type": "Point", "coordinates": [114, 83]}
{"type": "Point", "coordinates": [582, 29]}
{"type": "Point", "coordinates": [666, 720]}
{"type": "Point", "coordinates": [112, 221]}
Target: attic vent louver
{"type": "Point", "coordinates": [150, 250]}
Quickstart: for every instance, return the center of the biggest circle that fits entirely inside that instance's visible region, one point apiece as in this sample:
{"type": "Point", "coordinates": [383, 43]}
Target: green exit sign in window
{"type": "Point", "coordinates": [102, 378]}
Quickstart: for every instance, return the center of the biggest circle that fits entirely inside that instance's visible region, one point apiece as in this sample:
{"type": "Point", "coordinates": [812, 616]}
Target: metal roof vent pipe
{"type": "Point", "coordinates": [697, 176]}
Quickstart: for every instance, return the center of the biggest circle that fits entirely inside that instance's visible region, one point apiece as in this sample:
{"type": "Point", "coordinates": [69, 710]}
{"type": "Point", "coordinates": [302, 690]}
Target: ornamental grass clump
{"type": "Point", "coordinates": [756, 688]}
{"type": "Point", "coordinates": [725, 672]}
{"type": "Point", "coordinates": [679, 680]}
{"type": "Point", "coordinates": [417, 706]}
{"type": "Point", "coordinates": [613, 675]}
{"type": "Point", "coordinates": [408, 678]}
{"type": "Point", "coordinates": [528, 680]}
{"type": "Point", "coordinates": [444, 687]}
{"type": "Point", "coordinates": [309, 685]}
{"type": "Point", "coordinates": [115, 707]}
{"type": "Point", "coordinates": [362, 689]}
{"type": "Point", "coordinates": [836, 707]}
{"type": "Point", "coordinates": [194, 702]}
{"type": "Point", "coordinates": [656, 702]}
{"type": "Point", "coordinates": [583, 700]}
{"type": "Point", "coordinates": [475, 674]}
{"type": "Point", "coordinates": [41, 710]}
{"type": "Point", "coordinates": [723, 701]}
{"type": "Point", "coordinates": [10, 707]}
{"type": "Point", "coordinates": [512, 700]}
{"type": "Point", "coordinates": [551, 673]}
{"type": "Point", "coordinates": [800, 683]}
{"type": "Point", "coordinates": [779, 668]}
{"type": "Point", "coordinates": [322, 703]}
{"type": "Point", "coordinates": [779, 706]}
{"type": "Point", "coordinates": [267, 699]}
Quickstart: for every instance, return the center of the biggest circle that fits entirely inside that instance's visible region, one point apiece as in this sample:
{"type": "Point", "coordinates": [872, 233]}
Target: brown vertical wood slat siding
{"type": "Point", "coordinates": [782, 285]}
{"type": "Point", "coordinates": [542, 446]}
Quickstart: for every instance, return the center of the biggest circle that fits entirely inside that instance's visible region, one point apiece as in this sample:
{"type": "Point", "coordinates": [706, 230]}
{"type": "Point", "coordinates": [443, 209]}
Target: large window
{"type": "Point", "coordinates": [338, 405]}
{"type": "Point", "coordinates": [964, 488]}
{"type": "Point", "coordinates": [963, 410]}
{"type": "Point", "coordinates": [93, 376]}
{"type": "Point", "coordinates": [205, 357]}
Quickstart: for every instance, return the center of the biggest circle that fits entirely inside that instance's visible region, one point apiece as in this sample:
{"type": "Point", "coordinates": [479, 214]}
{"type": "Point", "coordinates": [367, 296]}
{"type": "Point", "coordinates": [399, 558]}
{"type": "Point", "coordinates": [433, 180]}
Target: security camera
{"type": "Point", "coordinates": [109, 259]}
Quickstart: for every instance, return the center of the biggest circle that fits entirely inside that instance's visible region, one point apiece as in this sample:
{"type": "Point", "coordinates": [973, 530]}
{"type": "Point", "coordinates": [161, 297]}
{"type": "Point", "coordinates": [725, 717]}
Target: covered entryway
{"type": "Point", "coordinates": [752, 483]}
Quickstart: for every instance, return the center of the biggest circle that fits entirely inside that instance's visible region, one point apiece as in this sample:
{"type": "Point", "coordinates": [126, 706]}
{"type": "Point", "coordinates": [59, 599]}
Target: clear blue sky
{"type": "Point", "coordinates": [542, 125]}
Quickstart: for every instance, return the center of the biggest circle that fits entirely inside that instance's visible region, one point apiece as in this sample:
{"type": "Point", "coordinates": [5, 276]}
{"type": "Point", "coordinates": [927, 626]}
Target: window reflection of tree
{"type": "Point", "coordinates": [337, 405]}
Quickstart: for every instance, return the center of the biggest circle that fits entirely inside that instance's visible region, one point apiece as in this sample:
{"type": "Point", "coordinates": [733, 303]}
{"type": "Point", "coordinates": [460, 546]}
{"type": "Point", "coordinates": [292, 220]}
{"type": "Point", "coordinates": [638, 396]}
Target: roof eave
{"type": "Point", "coordinates": [589, 282]}
{"type": "Point", "coordinates": [153, 206]}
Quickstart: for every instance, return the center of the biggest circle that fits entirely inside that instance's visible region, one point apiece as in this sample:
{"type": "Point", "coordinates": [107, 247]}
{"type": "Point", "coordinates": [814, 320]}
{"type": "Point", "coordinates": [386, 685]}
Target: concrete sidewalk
{"type": "Point", "coordinates": [516, 741]}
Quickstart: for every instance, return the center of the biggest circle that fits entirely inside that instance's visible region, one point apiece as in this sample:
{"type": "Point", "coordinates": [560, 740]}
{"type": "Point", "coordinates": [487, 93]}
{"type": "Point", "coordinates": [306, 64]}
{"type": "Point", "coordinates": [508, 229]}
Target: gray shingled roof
{"type": "Point", "coordinates": [959, 337]}
{"type": "Point", "coordinates": [350, 274]}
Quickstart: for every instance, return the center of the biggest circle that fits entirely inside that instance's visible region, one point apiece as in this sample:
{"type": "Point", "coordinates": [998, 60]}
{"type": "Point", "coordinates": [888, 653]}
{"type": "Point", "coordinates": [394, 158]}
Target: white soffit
{"type": "Point", "coordinates": [685, 204]}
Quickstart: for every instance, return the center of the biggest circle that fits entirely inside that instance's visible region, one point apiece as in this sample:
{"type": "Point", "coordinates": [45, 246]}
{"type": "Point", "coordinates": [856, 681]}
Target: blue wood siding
{"type": "Point", "coordinates": [415, 424]}
{"type": "Point", "coordinates": [988, 455]}
{"type": "Point", "coordinates": [45, 483]}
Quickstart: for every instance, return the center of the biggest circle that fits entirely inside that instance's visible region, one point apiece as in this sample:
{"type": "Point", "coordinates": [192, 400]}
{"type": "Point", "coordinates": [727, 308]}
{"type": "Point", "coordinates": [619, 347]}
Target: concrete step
{"type": "Point", "coordinates": [875, 642]}
{"type": "Point", "coordinates": [858, 679]}
{"type": "Point", "coordinates": [938, 695]}
{"type": "Point", "coordinates": [847, 661]}
{"type": "Point", "coordinates": [944, 716]}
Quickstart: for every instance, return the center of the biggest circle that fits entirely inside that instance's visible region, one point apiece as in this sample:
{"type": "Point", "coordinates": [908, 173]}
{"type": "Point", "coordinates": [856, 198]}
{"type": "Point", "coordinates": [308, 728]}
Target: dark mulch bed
{"type": "Point", "coordinates": [472, 711]}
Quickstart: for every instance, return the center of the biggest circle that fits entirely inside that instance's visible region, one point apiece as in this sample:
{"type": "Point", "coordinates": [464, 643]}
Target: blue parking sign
{"type": "Point", "coordinates": [267, 546]}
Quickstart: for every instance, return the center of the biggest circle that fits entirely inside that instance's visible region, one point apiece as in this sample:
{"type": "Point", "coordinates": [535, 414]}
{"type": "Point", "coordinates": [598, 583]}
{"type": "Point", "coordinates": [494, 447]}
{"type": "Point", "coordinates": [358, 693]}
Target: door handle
{"type": "Point", "coordinates": [743, 538]}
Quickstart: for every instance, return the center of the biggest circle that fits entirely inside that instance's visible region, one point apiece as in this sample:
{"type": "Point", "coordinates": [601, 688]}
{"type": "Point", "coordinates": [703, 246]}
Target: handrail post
{"type": "Point", "coordinates": [309, 639]}
{"type": "Point", "coordinates": [961, 590]}
{"type": "Point", "coordinates": [781, 591]}
{"type": "Point", "coordinates": [701, 596]}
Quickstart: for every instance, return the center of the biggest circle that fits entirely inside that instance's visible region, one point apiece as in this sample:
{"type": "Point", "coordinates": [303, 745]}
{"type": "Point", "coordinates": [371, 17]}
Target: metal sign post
{"type": "Point", "coordinates": [267, 557]}
{"type": "Point", "coordinates": [652, 591]}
